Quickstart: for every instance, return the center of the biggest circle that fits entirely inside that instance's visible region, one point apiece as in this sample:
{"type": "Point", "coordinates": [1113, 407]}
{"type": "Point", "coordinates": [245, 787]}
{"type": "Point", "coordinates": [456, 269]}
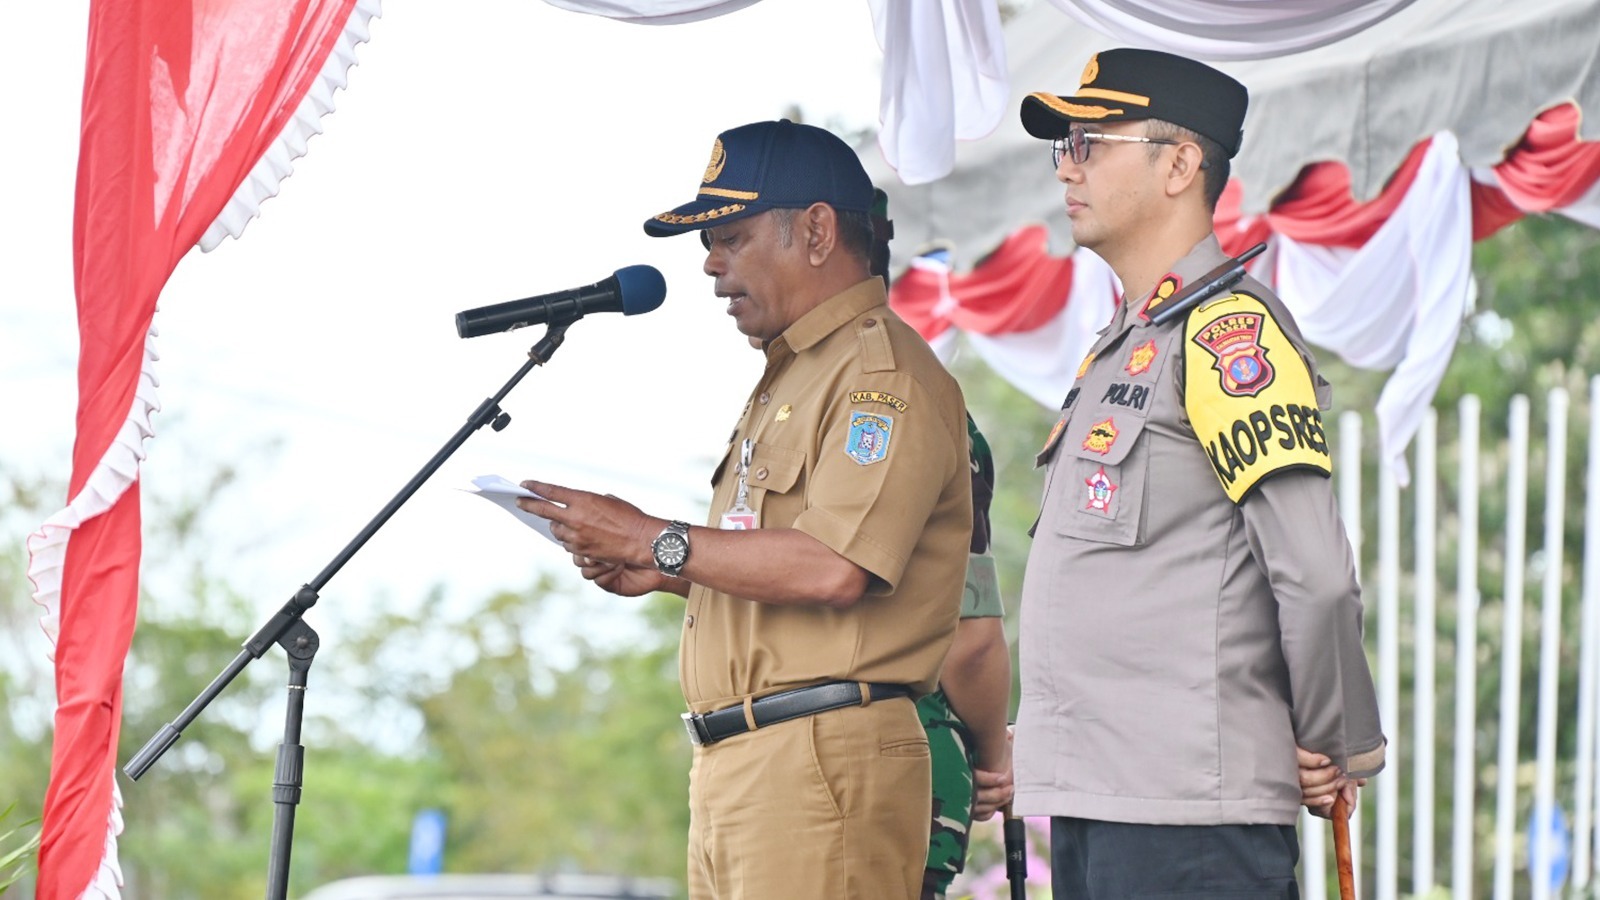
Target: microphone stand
{"type": "Point", "coordinates": [287, 628]}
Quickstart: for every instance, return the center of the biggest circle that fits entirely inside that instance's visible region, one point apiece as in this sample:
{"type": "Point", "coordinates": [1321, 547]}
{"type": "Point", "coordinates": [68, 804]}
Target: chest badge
{"type": "Point", "coordinates": [1100, 491]}
{"type": "Point", "coordinates": [868, 439]}
{"type": "Point", "coordinates": [1141, 357]}
{"type": "Point", "coordinates": [1055, 433]}
{"type": "Point", "coordinates": [1101, 436]}
{"type": "Point", "coordinates": [1235, 340]}
{"type": "Point", "coordinates": [783, 413]}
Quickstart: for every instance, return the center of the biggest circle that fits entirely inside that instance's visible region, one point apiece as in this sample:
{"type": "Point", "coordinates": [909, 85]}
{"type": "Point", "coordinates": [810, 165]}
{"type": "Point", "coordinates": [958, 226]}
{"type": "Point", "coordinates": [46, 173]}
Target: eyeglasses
{"type": "Point", "coordinates": [1077, 141]}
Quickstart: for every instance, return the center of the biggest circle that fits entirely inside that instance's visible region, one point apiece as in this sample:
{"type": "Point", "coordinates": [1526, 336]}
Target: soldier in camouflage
{"type": "Point", "coordinates": [976, 679]}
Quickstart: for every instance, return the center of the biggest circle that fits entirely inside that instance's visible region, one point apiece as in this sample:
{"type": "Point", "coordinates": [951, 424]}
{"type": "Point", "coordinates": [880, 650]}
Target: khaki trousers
{"type": "Point", "coordinates": [828, 807]}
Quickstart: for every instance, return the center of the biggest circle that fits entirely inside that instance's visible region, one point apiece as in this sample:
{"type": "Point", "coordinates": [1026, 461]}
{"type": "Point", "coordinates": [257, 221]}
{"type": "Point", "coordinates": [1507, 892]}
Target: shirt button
{"type": "Point", "coordinates": [689, 621]}
{"type": "Point", "coordinates": [761, 474]}
{"type": "Point", "coordinates": [870, 323]}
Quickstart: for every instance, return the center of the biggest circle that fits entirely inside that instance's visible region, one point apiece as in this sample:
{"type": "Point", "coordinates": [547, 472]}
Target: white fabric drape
{"type": "Point", "coordinates": [944, 79]}
{"type": "Point", "coordinates": [654, 12]}
{"type": "Point", "coordinates": [1585, 209]}
{"type": "Point", "coordinates": [1230, 29]}
{"type": "Point", "coordinates": [944, 70]}
{"type": "Point", "coordinates": [1399, 300]}
{"type": "Point", "coordinates": [1042, 363]}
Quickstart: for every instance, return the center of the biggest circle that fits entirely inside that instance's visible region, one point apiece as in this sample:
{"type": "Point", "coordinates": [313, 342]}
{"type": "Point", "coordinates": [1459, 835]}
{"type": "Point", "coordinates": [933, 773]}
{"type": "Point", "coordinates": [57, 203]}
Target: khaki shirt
{"type": "Point", "coordinates": [859, 440]}
{"type": "Point", "coordinates": [1190, 609]}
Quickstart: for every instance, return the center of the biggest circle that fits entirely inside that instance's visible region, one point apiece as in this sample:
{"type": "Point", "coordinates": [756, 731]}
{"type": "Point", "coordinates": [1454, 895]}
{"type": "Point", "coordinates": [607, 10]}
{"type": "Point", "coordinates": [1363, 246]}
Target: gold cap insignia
{"type": "Point", "coordinates": [719, 158]}
{"type": "Point", "coordinates": [1091, 71]}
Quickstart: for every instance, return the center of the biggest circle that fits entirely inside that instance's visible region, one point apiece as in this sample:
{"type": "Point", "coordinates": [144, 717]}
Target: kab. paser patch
{"type": "Point", "coordinates": [1253, 418]}
{"type": "Point", "coordinates": [868, 439]}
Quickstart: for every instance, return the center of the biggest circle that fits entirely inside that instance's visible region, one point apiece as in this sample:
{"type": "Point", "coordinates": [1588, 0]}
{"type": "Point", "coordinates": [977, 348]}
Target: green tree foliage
{"type": "Point", "coordinates": [1533, 328]}
{"type": "Point", "coordinates": [579, 766]}
{"type": "Point", "coordinates": [18, 847]}
{"type": "Point", "coordinates": [1016, 428]}
{"type": "Point", "coordinates": [539, 766]}
{"type": "Point", "coordinates": [26, 698]}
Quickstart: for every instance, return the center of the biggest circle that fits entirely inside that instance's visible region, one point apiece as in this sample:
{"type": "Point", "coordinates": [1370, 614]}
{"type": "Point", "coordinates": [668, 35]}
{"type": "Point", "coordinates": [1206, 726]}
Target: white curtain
{"type": "Point", "coordinates": [1230, 29]}
{"type": "Point", "coordinates": [654, 12]}
{"type": "Point", "coordinates": [944, 79]}
{"type": "Point", "coordinates": [1399, 300]}
{"type": "Point", "coordinates": [944, 70]}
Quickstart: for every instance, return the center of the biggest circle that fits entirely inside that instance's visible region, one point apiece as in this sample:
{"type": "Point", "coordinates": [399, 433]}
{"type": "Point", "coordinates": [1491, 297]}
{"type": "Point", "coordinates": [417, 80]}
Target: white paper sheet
{"type": "Point", "coordinates": [504, 493]}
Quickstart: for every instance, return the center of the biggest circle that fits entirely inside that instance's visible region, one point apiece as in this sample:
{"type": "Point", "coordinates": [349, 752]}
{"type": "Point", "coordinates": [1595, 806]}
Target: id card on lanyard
{"type": "Point", "coordinates": [740, 517]}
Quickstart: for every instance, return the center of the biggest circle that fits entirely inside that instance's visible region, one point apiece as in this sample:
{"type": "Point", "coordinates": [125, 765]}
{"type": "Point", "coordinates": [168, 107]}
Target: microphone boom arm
{"type": "Point", "coordinates": [288, 628]}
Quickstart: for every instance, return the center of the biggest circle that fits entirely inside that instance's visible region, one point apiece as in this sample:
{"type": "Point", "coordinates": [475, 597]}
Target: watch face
{"type": "Point", "coordinates": [671, 550]}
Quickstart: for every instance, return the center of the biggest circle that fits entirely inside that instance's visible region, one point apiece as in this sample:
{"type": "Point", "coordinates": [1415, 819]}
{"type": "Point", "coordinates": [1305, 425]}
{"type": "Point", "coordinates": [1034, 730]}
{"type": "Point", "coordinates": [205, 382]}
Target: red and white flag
{"type": "Point", "coordinates": [191, 113]}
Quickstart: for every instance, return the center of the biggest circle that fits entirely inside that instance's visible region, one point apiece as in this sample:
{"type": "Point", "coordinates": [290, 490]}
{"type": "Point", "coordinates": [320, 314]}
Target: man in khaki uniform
{"type": "Point", "coordinates": [1190, 610]}
{"type": "Point", "coordinates": [824, 589]}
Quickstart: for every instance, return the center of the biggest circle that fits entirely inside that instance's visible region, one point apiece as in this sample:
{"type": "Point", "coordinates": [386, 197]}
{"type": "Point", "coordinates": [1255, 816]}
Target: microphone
{"type": "Point", "coordinates": [630, 290]}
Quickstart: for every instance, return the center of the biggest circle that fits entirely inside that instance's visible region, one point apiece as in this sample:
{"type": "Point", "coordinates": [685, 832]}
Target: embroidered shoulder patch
{"type": "Point", "coordinates": [1234, 340]}
{"type": "Point", "coordinates": [1253, 416]}
{"type": "Point", "coordinates": [878, 397]}
{"type": "Point", "coordinates": [868, 439]}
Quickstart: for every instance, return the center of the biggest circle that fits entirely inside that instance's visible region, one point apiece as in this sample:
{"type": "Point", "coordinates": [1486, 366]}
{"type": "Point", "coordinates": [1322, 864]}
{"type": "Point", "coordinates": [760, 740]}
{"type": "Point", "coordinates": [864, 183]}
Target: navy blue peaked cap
{"type": "Point", "coordinates": [770, 165]}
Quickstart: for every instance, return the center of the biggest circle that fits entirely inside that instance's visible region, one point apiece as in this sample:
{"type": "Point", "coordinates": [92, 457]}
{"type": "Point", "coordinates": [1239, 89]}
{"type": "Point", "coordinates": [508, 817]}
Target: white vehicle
{"type": "Point", "coordinates": [494, 887]}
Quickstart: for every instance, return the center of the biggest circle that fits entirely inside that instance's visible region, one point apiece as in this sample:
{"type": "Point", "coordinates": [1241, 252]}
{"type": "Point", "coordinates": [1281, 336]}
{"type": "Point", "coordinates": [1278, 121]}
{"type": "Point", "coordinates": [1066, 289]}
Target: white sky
{"type": "Point", "coordinates": [483, 151]}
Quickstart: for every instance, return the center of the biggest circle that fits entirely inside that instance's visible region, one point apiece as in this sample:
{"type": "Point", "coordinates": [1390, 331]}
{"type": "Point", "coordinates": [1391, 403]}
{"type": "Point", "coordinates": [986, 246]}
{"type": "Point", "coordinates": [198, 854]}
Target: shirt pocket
{"type": "Point", "coordinates": [774, 474]}
{"type": "Point", "coordinates": [1103, 492]}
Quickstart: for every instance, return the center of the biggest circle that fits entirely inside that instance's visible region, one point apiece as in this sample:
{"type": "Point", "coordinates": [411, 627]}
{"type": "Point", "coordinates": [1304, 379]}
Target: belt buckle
{"type": "Point", "coordinates": [695, 724]}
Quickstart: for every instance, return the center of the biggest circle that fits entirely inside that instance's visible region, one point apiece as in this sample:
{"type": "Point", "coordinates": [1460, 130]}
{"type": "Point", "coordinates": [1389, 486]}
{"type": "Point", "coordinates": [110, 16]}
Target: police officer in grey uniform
{"type": "Point", "coordinates": [1190, 611]}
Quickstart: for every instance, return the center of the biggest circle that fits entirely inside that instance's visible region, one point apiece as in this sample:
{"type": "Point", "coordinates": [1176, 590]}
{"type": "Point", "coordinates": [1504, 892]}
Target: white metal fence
{"type": "Point", "coordinates": [1405, 605]}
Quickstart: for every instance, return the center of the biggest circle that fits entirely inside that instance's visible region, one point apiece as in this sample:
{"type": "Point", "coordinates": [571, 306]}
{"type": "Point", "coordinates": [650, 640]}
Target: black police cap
{"type": "Point", "coordinates": [1126, 84]}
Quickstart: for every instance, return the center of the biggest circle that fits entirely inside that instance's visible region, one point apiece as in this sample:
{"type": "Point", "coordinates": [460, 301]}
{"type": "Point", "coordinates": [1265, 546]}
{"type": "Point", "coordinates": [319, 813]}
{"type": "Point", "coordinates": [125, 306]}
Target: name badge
{"type": "Point", "coordinates": [740, 517]}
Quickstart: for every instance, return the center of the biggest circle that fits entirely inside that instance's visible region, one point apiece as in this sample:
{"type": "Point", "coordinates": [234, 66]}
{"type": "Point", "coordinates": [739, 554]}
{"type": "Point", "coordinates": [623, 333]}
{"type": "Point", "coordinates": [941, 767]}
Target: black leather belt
{"type": "Point", "coordinates": [708, 728]}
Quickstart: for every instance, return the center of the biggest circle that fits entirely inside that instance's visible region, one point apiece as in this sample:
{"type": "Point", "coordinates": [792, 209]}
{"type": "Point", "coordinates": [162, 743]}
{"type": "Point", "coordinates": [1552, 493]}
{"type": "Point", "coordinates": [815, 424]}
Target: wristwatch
{"type": "Point", "coordinates": [671, 548]}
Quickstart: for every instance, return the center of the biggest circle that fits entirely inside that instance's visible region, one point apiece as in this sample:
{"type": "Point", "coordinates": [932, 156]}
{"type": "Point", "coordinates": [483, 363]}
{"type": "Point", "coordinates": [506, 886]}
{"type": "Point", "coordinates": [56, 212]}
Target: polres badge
{"type": "Point", "coordinates": [868, 439]}
{"type": "Point", "coordinates": [1235, 340]}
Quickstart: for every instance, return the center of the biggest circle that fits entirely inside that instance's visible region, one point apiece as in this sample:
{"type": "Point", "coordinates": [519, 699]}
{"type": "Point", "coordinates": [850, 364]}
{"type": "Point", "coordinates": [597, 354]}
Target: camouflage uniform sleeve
{"type": "Point", "coordinates": [981, 596]}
